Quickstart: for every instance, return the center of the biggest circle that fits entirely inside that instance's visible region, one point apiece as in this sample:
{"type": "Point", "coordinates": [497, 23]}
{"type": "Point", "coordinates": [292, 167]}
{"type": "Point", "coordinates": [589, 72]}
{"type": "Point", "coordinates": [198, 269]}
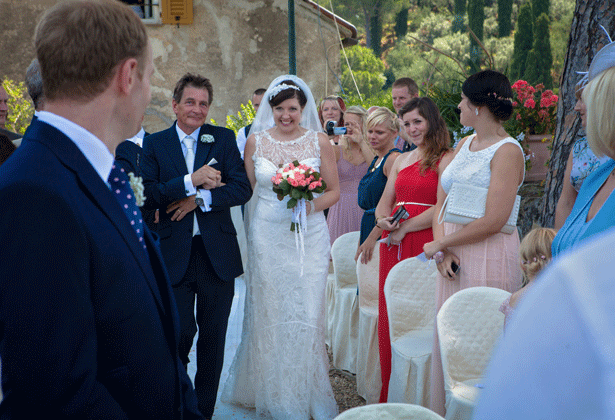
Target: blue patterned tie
{"type": "Point", "coordinates": [120, 187]}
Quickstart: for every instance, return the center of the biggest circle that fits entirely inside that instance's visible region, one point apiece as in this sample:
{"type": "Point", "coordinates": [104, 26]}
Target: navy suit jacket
{"type": "Point", "coordinates": [164, 168]}
{"type": "Point", "coordinates": [88, 325]}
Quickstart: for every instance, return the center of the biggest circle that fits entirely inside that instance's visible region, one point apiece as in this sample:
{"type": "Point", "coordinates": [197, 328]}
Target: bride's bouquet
{"type": "Point", "coordinates": [299, 182]}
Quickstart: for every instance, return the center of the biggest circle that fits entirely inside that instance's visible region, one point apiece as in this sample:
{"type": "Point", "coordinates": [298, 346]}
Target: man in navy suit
{"type": "Point", "coordinates": [88, 323]}
{"type": "Point", "coordinates": [194, 173]}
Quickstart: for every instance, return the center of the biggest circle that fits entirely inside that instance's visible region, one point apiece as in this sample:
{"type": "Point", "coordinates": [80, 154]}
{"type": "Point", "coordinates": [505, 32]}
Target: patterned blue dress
{"type": "Point", "coordinates": [371, 188]}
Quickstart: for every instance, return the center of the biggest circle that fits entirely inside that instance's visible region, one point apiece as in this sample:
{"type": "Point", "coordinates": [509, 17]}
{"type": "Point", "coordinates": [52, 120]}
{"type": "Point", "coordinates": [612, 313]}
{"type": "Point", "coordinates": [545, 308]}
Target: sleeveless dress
{"type": "Point", "coordinates": [371, 188]}
{"type": "Point", "coordinates": [345, 215]}
{"type": "Point", "coordinates": [281, 367]}
{"type": "Point", "coordinates": [493, 262]}
{"type": "Point", "coordinates": [410, 186]}
{"type": "Point", "coordinates": [584, 161]}
{"type": "Point", "coordinates": [577, 228]}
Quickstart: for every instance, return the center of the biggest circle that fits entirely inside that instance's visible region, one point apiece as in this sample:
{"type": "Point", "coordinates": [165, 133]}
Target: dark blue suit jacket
{"type": "Point", "coordinates": [163, 170]}
{"type": "Point", "coordinates": [88, 325]}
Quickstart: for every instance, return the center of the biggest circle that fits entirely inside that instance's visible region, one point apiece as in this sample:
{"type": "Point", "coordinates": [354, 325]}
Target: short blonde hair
{"type": "Point", "coordinates": [535, 252]}
{"type": "Point", "coordinates": [383, 116]}
{"type": "Point", "coordinates": [80, 43]}
{"type": "Point", "coordinates": [599, 98]}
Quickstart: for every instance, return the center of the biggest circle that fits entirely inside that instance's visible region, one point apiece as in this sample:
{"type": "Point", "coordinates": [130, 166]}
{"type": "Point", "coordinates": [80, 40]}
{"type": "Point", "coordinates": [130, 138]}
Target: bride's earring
{"type": "Point", "coordinates": [476, 111]}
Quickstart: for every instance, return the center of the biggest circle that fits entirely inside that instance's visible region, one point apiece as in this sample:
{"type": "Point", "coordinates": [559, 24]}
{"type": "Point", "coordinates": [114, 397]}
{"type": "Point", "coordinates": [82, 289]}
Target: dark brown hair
{"type": "Point", "coordinates": [288, 93]}
{"type": "Point", "coordinates": [437, 138]}
{"type": "Point", "coordinates": [193, 80]}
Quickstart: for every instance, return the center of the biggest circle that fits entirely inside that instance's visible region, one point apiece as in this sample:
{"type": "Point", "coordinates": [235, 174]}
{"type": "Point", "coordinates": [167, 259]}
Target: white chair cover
{"type": "Point", "coordinates": [369, 381]}
{"type": "Point", "coordinates": [389, 411]}
{"type": "Point", "coordinates": [345, 319]}
{"type": "Point", "coordinates": [410, 291]}
{"type": "Point", "coordinates": [330, 302]}
{"type": "Point", "coordinates": [469, 325]}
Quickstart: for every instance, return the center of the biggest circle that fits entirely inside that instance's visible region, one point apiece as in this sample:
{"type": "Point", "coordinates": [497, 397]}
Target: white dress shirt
{"type": "Point", "coordinates": [95, 151]}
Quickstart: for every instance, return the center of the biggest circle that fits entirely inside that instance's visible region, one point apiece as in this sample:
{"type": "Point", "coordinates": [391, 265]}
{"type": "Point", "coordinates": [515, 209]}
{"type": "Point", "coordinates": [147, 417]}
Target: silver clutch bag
{"type": "Point", "coordinates": [466, 203]}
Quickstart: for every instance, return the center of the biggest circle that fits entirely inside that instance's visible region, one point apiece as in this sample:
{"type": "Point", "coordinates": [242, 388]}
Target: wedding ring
{"type": "Point", "coordinates": [179, 210]}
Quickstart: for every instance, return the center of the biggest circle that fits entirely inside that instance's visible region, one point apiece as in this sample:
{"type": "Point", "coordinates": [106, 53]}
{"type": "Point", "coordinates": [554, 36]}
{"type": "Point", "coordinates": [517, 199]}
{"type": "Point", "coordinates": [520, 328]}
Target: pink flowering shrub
{"type": "Point", "coordinates": [297, 181]}
{"type": "Point", "coordinates": [535, 108]}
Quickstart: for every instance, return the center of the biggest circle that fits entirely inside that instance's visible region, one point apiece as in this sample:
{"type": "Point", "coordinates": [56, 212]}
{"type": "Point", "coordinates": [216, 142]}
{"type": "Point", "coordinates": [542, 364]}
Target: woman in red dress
{"type": "Point", "coordinates": [412, 184]}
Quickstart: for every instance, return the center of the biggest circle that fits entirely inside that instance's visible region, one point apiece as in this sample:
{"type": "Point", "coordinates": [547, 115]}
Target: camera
{"type": "Point", "coordinates": [333, 130]}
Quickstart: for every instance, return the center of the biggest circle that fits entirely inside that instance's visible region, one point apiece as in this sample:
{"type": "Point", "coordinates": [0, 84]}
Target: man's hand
{"type": "Point", "coordinates": [206, 177]}
{"type": "Point", "coordinates": [181, 208]}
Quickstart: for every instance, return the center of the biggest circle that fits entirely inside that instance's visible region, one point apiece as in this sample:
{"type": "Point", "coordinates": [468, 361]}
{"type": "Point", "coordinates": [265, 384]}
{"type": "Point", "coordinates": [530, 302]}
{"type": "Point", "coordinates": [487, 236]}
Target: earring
{"type": "Point", "coordinates": [476, 111]}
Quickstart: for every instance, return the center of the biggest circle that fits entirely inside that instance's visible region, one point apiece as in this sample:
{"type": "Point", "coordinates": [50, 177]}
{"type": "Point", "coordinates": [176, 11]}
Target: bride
{"type": "Point", "coordinates": [281, 367]}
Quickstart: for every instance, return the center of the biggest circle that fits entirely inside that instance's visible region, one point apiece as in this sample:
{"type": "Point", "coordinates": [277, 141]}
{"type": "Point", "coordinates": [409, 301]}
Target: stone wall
{"type": "Point", "coordinates": [240, 46]}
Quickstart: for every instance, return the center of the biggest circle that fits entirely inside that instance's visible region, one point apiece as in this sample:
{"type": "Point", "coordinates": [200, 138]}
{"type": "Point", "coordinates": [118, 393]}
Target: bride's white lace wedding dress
{"type": "Point", "coordinates": [281, 367]}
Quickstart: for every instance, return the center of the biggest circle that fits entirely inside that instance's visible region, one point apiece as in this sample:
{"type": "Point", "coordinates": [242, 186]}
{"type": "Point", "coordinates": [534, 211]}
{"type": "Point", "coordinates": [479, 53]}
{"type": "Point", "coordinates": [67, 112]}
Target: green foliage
{"type": "Point", "coordinates": [243, 118]}
{"type": "Point", "coordinates": [539, 7]}
{"type": "Point", "coordinates": [381, 98]}
{"type": "Point", "coordinates": [367, 69]}
{"type": "Point", "coordinates": [401, 23]}
{"type": "Point", "coordinates": [504, 17]}
{"type": "Point", "coordinates": [375, 30]}
{"type": "Point", "coordinates": [539, 59]}
{"type": "Point", "coordinates": [21, 109]}
{"type": "Point", "coordinates": [562, 12]}
{"type": "Point", "coordinates": [476, 19]}
{"type": "Point", "coordinates": [447, 100]}
{"type": "Point", "coordinates": [460, 11]}
{"type": "Point", "coordinates": [524, 39]}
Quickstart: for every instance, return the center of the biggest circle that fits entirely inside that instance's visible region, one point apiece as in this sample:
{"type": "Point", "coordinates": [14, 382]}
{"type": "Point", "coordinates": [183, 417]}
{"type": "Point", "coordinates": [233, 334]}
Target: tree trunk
{"type": "Point", "coordinates": [586, 38]}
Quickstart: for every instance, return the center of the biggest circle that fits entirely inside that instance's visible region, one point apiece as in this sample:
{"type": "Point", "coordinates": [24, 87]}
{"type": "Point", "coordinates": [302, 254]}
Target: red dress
{"type": "Point", "coordinates": [410, 186]}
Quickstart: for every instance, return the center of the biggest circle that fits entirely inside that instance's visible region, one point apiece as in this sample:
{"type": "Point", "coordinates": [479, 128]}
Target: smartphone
{"type": "Point", "coordinates": [401, 213]}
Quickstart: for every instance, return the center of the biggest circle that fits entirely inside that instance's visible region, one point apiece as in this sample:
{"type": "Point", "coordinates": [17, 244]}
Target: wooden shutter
{"type": "Point", "coordinates": [177, 11]}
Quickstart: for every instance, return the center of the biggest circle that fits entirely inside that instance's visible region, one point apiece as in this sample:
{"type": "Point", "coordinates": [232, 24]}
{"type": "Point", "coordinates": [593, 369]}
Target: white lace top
{"type": "Point", "coordinates": [472, 168]}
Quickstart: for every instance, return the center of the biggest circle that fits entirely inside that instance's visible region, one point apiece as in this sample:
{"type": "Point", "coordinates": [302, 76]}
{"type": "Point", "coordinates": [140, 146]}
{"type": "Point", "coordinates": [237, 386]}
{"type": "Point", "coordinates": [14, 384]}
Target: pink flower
{"type": "Point", "coordinates": [293, 182]}
{"type": "Point", "coordinates": [530, 103]}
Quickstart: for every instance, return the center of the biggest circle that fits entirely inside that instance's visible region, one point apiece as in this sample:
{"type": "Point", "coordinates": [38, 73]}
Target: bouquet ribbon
{"type": "Point", "coordinates": [299, 221]}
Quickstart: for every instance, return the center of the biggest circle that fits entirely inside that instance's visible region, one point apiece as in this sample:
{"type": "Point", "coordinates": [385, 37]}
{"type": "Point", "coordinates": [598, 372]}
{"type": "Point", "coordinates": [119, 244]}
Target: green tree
{"type": "Point", "coordinates": [504, 17]}
{"type": "Point", "coordinates": [539, 7]}
{"type": "Point", "coordinates": [375, 31]}
{"type": "Point", "coordinates": [20, 107]}
{"type": "Point", "coordinates": [367, 70]}
{"type": "Point", "coordinates": [524, 39]}
{"type": "Point", "coordinates": [460, 11]}
{"type": "Point", "coordinates": [539, 59]}
{"type": "Point", "coordinates": [401, 23]}
{"type": "Point", "coordinates": [476, 19]}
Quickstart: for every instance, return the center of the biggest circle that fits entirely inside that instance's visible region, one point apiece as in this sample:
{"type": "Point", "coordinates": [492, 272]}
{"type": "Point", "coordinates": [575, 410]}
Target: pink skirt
{"type": "Point", "coordinates": [493, 262]}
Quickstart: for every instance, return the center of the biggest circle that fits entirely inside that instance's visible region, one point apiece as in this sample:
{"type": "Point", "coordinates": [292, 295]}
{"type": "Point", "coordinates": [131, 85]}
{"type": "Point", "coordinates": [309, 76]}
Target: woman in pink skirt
{"type": "Point", "coordinates": [353, 155]}
{"type": "Point", "coordinates": [489, 159]}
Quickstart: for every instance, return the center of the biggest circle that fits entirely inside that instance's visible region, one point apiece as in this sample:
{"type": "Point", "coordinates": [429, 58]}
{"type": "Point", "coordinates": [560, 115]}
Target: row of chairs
{"type": "Point", "coordinates": [469, 324]}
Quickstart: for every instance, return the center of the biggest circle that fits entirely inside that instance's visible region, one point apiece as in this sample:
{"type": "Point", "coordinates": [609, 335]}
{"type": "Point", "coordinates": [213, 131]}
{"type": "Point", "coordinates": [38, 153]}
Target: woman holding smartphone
{"type": "Point", "coordinates": [412, 186]}
{"type": "Point", "coordinates": [489, 159]}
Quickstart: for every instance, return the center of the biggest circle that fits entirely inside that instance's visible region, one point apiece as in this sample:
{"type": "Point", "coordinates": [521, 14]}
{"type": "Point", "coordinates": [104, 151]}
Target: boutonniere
{"type": "Point", "coordinates": [136, 183]}
{"type": "Point", "coordinates": [207, 138]}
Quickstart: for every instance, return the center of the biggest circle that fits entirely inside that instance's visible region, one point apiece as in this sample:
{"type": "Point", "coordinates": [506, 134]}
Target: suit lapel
{"type": "Point", "coordinates": [97, 191]}
{"type": "Point", "coordinates": [203, 149]}
{"type": "Point", "coordinates": [174, 150]}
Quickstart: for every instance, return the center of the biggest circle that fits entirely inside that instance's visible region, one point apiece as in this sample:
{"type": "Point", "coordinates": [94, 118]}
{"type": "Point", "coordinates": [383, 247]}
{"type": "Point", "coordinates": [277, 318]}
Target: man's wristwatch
{"type": "Point", "coordinates": [199, 201]}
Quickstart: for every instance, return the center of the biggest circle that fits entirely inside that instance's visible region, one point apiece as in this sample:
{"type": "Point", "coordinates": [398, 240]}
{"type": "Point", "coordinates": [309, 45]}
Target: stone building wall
{"type": "Point", "coordinates": [240, 46]}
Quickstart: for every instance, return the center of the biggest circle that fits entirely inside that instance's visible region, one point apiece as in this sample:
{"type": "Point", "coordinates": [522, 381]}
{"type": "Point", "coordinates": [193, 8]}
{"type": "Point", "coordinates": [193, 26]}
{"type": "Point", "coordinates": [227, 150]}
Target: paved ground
{"type": "Point", "coordinates": [233, 337]}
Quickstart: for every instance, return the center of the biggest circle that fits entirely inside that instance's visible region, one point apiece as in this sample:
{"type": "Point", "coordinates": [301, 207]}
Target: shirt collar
{"type": "Point", "coordinates": [181, 134]}
{"type": "Point", "coordinates": [94, 150]}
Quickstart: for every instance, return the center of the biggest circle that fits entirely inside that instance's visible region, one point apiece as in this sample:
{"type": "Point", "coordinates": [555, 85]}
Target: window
{"type": "Point", "coordinates": [147, 10]}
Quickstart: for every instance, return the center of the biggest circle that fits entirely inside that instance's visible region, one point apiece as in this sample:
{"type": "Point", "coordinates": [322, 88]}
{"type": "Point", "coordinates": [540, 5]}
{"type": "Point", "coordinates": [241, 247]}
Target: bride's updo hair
{"type": "Point", "coordinates": [281, 94]}
{"type": "Point", "coordinates": [491, 89]}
